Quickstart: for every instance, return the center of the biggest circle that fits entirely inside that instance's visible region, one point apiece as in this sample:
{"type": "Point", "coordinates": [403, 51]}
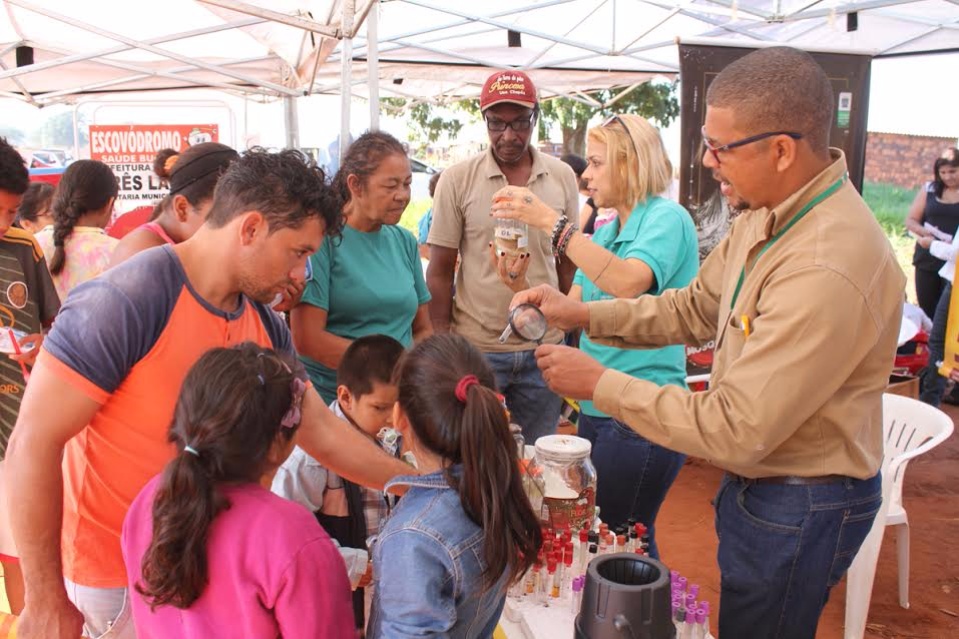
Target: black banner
{"type": "Point", "coordinates": [698, 65]}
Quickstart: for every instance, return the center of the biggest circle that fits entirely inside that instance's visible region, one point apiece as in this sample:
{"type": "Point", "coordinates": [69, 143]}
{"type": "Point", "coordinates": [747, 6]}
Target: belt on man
{"type": "Point", "coordinates": [790, 480]}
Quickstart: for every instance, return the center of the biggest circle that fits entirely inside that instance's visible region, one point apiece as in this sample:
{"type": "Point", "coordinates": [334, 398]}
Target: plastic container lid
{"type": "Point", "coordinates": [563, 448]}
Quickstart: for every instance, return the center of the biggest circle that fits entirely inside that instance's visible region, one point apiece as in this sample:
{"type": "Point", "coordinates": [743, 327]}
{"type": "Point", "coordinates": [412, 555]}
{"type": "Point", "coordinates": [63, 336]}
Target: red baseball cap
{"type": "Point", "coordinates": [513, 87]}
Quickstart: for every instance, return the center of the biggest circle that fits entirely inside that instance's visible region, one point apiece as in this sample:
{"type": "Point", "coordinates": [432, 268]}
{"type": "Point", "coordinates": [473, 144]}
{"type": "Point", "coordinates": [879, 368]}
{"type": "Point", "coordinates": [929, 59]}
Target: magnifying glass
{"type": "Point", "coordinates": [527, 322]}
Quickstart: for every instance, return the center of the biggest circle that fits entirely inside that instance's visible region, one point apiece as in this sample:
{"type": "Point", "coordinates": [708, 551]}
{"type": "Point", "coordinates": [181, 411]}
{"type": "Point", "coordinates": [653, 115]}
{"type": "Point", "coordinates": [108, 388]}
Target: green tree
{"type": "Point", "coordinates": [57, 130]}
{"type": "Point", "coordinates": [425, 124]}
{"type": "Point", "coordinates": [656, 101]}
{"type": "Point", "coordinates": [13, 134]}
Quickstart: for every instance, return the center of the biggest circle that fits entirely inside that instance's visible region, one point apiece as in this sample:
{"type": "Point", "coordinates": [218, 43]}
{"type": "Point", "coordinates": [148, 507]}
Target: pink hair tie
{"type": "Point", "coordinates": [464, 385]}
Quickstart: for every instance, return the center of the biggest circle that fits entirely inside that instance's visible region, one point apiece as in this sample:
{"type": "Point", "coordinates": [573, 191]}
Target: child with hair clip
{"type": "Point", "coordinates": [209, 550]}
{"type": "Point", "coordinates": [465, 530]}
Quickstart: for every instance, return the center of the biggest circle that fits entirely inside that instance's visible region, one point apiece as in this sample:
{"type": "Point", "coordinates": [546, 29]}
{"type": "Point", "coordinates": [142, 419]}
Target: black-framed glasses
{"type": "Point", "coordinates": [716, 150]}
{"type": "Point", "coordinates": [618, 120]}
{"type": "Point", "coordinates": [519, 124]}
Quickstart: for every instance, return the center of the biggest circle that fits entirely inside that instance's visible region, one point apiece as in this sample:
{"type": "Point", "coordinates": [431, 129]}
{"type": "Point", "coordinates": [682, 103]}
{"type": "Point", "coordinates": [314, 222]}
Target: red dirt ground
{"type": "Point", "coordinates": [687, 541]}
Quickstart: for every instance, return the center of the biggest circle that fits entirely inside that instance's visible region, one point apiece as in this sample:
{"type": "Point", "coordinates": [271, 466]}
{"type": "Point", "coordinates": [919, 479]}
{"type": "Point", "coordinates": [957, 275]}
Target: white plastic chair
{"type": "Point", "coordinates": [910, 428]}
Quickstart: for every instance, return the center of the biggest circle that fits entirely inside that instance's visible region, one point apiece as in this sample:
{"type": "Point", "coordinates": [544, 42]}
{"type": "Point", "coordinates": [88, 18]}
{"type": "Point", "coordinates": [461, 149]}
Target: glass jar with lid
{"type": "Point", "coordinates": [561, 481]}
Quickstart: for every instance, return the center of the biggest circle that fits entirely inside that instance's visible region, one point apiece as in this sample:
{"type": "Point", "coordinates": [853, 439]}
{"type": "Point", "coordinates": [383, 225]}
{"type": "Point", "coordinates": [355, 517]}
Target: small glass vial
{"type": "Point", "coordinates": [511, 237]}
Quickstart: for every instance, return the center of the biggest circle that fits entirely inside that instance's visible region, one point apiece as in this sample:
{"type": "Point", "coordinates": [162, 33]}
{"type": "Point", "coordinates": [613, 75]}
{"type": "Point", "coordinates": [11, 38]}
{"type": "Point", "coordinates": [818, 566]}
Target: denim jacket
{"type": "Point", "coordinates": [428, 563]}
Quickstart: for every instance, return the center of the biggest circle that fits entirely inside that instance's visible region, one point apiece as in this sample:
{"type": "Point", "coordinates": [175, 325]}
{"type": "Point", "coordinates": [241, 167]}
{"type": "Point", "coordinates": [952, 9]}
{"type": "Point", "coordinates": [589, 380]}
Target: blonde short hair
{"type": "Point", "coordinates": [636, 156]}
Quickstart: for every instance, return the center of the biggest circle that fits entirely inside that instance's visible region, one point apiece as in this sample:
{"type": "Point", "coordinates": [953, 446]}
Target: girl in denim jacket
{"type": "Point", "coordinates": [465, 530]}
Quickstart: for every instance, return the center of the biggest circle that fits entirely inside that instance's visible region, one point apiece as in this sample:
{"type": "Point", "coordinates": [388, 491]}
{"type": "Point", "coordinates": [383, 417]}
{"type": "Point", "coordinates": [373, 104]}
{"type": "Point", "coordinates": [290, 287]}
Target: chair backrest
{"type": "Point", "coordinates": [910, 428]}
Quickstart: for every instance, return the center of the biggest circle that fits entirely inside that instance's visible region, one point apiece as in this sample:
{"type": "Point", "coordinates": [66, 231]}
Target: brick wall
{"type": "Point", "coordinates": [903, 160]}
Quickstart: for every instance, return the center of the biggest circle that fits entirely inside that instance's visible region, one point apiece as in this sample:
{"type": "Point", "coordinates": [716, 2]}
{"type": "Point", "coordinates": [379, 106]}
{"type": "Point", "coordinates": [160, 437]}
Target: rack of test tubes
{"type": "Point", "coordinates": [548, 597]}
{"type": "Point", "coordinates": [690, 613]}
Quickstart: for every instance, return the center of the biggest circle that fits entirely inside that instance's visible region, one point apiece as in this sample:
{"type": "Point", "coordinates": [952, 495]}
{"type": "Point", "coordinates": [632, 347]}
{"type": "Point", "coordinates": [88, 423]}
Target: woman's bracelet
{"type": "Point", "coordinates": [567, 236]}
{"type": "Point", "coordinates": [557, 230]}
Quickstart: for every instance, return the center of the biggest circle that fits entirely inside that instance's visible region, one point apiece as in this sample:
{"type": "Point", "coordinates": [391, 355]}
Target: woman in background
{"type": "Point", "coordinates": [650, 246]}
{"type": "Point", "coordinates": [76, 247]}
{"type": "Point", "coordinates": [934, 215]}
{"type": "Point", "coordinates": [33, 214]}
{"type": "Point", "coordinates": [192, 176]}
{"type": "Point", "coordinates": [368, 281]}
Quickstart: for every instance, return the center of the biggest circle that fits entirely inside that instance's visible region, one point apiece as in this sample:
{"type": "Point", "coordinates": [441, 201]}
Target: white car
{"type": "Point", "coordinates": [422, 172]}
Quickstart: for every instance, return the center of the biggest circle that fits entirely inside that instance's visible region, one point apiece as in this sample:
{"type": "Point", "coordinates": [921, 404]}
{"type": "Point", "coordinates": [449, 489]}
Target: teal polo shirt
{"type": "Point", "coordinates": [369, 284]}
{"type": "Point", "coordinates": [660, 233]}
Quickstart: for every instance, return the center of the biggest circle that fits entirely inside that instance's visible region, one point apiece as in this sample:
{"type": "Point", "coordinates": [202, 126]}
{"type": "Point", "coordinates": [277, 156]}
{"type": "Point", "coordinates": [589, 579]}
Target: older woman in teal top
{"type": "Point", "coordinates": [369, 280]}
{"type": "Point", "coordinates": [651, 246]}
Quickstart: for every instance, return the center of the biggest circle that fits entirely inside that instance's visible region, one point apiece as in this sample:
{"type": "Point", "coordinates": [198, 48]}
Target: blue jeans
{"type": "Point", "coordinates": [931, 383]}
{"type": "Point", "coordinates": [633, 474]}
{"type": "Point", "coordinates": [531, 403]}
{"type": "Point", "coordinates": [783, 547]}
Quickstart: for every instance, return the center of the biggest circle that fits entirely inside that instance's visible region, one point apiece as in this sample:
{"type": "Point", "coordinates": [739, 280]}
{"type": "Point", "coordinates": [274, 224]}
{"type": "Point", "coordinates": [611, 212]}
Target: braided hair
{"type": "Point", "coordinates": [86, 186]}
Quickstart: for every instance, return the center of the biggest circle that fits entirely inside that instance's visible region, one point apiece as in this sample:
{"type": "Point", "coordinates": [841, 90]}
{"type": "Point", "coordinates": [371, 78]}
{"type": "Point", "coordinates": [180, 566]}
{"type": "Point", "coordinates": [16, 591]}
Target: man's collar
{"type": "Point", "coordinates": [784, 212]}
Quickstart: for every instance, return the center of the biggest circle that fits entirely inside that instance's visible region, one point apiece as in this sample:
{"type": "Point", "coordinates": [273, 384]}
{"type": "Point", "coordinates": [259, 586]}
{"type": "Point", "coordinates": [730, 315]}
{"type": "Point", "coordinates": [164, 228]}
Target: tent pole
{"type": "Point", "coordinates": [373, 64]}
{"type": "Point", "coordinates": [76, 131]}
{"type": "Point", "coordinates": [346, 73]}
{"type": "Point", "coordinates": [292, 121]}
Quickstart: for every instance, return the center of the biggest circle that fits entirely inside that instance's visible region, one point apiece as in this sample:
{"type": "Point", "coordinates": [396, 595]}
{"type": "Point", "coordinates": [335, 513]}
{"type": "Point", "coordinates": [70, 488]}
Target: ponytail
{"type": "Point", "coordinates": [234, 404]}
{"type": "Point", "coordinates": [491, 488]}
{"type": "Point", "coordinates": [64, 220]}
{"type": "Point", "coordinates": [174, 568]}
{"type": "Point", "coordinates": [446, 391]}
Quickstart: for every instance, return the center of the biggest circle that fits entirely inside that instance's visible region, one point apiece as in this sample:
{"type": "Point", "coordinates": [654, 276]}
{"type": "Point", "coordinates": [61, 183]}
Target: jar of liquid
{"type": "Point", "coordinates": [562, 482]}
{"type": "Point", "coordinates": [511, 237]}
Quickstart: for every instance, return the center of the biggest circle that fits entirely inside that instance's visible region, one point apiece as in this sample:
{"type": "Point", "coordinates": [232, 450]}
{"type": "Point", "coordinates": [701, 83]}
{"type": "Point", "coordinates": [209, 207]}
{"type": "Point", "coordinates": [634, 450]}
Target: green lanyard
{"type": "Point", "coordinates": [802, 213]}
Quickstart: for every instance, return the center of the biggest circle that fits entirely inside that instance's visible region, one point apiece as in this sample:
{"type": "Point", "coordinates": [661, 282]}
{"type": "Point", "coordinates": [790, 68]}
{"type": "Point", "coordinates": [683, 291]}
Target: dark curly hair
{"type": "Point", "coordinates": [36, 198]}
{"type": "Point", "coordinates": [288, 188]}
{"type": "Point", "coordinates": [14, 177]}
{"type": "Point", "coordinates": [86, 185]}
{"type": "Point", "coordinates": [363, 158]}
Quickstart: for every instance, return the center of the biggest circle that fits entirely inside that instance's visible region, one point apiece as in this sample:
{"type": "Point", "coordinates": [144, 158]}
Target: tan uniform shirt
{"type": "Point", "coordinates": [462, 221]}
{"type": "Point", "coordinates": [802, 394]}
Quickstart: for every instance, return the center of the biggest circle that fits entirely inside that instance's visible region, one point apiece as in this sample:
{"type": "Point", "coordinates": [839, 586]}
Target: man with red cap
{"type": "Point", "coordinates": [487, 278]}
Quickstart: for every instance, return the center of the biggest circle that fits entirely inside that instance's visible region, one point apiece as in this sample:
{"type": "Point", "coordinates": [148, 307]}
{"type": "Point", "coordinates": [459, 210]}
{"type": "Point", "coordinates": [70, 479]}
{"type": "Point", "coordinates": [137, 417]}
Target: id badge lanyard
{"type": "Point", "coordinates": [835, 186]}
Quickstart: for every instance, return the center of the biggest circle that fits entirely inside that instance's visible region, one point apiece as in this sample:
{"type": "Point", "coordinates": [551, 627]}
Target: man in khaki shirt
{"type": "Point", "coordinates": [485, 283]}
{"type": "Point", "coordinates": [804, 298]}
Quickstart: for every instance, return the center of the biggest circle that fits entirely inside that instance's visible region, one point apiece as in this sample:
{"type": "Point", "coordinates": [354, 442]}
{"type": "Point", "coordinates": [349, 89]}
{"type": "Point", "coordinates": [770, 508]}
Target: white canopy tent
{"type": "Point", "coordinates": [434, 50]}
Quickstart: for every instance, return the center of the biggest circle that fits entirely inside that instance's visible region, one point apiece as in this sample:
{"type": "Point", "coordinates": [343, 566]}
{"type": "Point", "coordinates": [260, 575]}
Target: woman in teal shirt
{"type": "Point", "coordinates": [369, 280]}
{"type": "Point", "coordinates": [651, 246]}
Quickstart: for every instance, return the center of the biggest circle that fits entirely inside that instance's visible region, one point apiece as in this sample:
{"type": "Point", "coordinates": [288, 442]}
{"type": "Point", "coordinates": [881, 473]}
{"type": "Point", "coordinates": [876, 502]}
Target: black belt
{"type": "Point", "coordinates": [791, 480]}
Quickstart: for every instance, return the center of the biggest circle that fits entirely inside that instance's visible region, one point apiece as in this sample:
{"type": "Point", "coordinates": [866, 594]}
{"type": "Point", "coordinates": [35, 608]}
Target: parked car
{"type": "Point", "coordinates": [50, 159]}
{"type": "Point", "coordinates": [422, 172]}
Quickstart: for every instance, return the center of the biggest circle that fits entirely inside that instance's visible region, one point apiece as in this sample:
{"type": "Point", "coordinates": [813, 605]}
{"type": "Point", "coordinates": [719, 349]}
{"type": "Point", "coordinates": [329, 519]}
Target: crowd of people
{"type": "Point", "coordinates": [209, 468]}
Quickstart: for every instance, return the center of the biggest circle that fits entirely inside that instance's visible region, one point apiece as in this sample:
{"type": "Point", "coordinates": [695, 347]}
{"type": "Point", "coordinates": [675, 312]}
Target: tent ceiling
{"type": "Point", "coordinates": [572, 44]}
{"type": "Point", "coordinates": [428, 49]}
{"type": "Point", "coordinates": [122, 45]}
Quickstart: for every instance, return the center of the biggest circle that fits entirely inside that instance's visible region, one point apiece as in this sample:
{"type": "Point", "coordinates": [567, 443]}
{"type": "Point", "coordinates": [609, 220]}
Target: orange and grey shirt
{"type": "Point", "coordinates": [28, 302]}
{"type": "Point", "coordinates": [127, 339]}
